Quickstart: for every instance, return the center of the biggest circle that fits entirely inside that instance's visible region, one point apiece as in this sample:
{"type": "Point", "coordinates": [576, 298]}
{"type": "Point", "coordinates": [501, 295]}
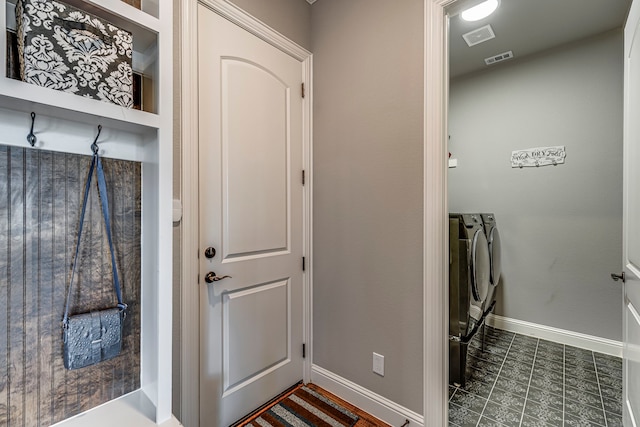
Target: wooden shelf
{"type": "Point", "coordinates": [26, 97]}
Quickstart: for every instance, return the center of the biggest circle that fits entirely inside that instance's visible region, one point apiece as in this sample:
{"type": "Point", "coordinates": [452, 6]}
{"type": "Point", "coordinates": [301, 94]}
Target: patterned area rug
{"type": "Point", "coordinates": [304, 407]}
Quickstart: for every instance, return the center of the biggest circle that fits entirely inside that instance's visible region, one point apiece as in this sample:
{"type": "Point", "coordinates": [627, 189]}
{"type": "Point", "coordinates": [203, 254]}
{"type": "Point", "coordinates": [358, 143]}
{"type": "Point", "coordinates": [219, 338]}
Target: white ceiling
{"type": "Point", "coordinates": [529, 26]}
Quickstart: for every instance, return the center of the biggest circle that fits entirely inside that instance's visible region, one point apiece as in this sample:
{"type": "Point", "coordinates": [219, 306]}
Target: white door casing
{"type": "Point", "coordinates": [630, 220]}
{"type": "Point", "coordinates": [251, 212]}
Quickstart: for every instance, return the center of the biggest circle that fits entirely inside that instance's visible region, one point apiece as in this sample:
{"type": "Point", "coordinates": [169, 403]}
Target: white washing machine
{"type": "Point", "coordinates": [469, 282]}
{"type": "Point", "coordinates": [493, 240]}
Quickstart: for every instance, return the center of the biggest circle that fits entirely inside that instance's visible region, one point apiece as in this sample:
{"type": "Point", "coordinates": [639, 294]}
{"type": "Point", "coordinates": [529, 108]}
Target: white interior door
{"type": "Point", "coordinates": [251, 214]}
{"type": "Point", "coordinates": [631, 220]}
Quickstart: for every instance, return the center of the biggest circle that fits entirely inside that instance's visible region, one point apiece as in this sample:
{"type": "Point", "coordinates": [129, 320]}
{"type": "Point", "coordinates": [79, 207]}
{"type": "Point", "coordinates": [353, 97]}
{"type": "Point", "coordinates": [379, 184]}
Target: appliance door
{"type": "Point", "coordinates": [495, 250]}
{"type": "Point", "coordinates": [480, 267]}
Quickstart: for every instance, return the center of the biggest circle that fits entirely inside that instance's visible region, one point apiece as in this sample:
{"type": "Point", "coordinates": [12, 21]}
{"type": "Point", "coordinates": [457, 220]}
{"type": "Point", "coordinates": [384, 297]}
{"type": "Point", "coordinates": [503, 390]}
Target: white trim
{"type": "Point", "coordinates": [436, 229]}
{"type": "Point", "coordinates": [131, 410]}
{"type": "Point", "coordinates": [311, 1]}
{"type": "Point", "coordinates": [190, 321]}
{"type": "Point", "coordinates": [190, 306]}
{"type": "Point", "coordinates": [241, 18]}
{"type": "Point", "coordinates": [562, 336]}
{"type": "Point", "coordinates": [376, 405]}
{"type": "Point", "coordinates": [308, 215]}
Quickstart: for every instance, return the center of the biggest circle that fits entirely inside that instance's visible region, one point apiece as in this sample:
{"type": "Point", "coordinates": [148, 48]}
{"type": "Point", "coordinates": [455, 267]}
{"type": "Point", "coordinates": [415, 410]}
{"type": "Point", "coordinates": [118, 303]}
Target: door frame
{"type": "Point", "coordinates": [436, 229]}
{"type": "Point", "coordinates": [189, 328]}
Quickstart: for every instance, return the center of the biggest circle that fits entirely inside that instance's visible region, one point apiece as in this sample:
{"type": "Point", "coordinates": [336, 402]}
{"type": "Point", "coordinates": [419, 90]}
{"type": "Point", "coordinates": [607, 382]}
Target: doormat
{"type": "Point", "coordinates": [303, 407]}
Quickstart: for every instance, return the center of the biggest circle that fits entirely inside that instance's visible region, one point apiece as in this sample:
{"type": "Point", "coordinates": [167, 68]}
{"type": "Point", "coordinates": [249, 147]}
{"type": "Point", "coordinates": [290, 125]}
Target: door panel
{"type": "Point", "coordinates": [251, 212]}
{"type": "Point", "coordinates": [256, 333]}
{"type": "Point", "coordinates": [256, 174]}
{"type": "Point", "coordinates": [631, 223]}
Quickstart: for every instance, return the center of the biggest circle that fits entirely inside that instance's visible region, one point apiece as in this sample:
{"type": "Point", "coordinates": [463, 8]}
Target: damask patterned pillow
{"type": "Point", "coordinates": [64, 48]}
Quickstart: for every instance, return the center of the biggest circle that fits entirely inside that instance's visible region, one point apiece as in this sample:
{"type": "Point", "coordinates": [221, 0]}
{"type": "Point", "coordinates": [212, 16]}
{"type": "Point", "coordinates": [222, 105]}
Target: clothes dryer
{"type": "Point", "coordinates": [493, 240]}
{"type": "Point", "coordinates": [469, 277]}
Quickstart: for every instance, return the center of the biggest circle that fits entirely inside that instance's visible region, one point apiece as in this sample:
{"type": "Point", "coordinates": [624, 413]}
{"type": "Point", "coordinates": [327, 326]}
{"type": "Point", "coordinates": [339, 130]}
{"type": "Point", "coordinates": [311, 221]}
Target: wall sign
{"type": "Point", "coordinates": [541, 156]}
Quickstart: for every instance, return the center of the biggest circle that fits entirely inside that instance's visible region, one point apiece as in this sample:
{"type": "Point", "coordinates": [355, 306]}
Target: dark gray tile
{"type": "Point", "coordinates": [544, 413]}
{"type": "Point", "coordinates": [479, 387]}
{"type": "Point", "coordinates": [606, 360]}
{"type": "Point", "coordinates": [547, 374]}
{"type": "Point", "coordinates": [521, 357]}
{"type": "Point", "coordinates": [510, 364]}
{"type": "Point", "coordinates": [452, 390]}
{"type": "Point", "coordinates": [528, 421]}
{"type": "Point", "coordinates": [608, 381]}
{"type": "Point", "coordinates": [611, 371]}
{"type": "Point", "coordinates": [502, 414]}
{"type": "Point", "coordinates": [546, 397]}
{"type": "Point", "coordinates": [613, 406]}
{"type": "Point", "coordinates": [493, 341]}
{"type": "Point", "coordinates": [581, 374]}
{"type": "Point", "coordinates": [549, 364]}
{"type": "Point", "coordinates": [584, 412]}
{"type": "Point", "coordinates": [547, 384]}
{"type": "Point", "coordinates": [524, 341]}
{"type": "Point", "coordinates": [574, 353]}
{"type": "Point", "coordinates": [469, 401]}
{"type": "Point", "coordinates": [555, 355]}
{"type": "Point", "coordinates": [462, 416]}
{"type": "Point", "coordinates": [613, 420]}
{"type": "Point", "coordinates": [499, 333]}
{"type": "Point", "coordinates": [486, 422]}
{"type": "Point", "coordinates": [581, 397]}
{"type": "Point", "coordinates": [483, 365]}
{"type": "Point", "coordinates": [579, 421]}
{"type": "Point", "coordinates": [580, 384]}
{"type": "Point", "coordinates": [486, 376]}
{"type": "Point", "coordinates": [516, 371]}
{"type": "Point", "coordinates": [614, 393]}
{"type": "Point", "coordinates": [490, 357]}
{"type": "Point", "coordinates": [498, 351]}
{"type": "Point", "coordinates": [550, 345]}
{"type": "Point", "coordinates": [514, 401]}
{"type": "Point", "coordinates": [512, 386]}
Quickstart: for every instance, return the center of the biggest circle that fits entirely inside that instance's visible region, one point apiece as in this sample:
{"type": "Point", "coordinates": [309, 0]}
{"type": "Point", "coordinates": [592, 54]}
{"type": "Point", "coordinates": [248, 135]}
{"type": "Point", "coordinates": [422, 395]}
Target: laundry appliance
{"type": "Point", "coordinates": [469, 282]}
{"type": "Point", "coordinates": [493, 240]}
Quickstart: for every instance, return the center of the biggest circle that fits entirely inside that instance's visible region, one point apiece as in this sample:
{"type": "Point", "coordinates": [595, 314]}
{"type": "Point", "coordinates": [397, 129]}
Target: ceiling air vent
{"type": "Point", "coordinates": [479, 35]}
{"type": "Point", "coordinates": [498, 58]}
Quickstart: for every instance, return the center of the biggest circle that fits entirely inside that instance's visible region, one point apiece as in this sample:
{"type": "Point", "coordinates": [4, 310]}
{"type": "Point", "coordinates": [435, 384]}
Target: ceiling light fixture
{"type": "Point", "coordinates": [480, 11]}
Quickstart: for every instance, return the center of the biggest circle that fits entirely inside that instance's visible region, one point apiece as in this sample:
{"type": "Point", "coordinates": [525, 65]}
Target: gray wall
{"type": "Point", "coordinates": [292, 18]}
{"type": "Point", "coordinates": [367, 259]}
{"type": "Point", "coordinates": [561, 226]}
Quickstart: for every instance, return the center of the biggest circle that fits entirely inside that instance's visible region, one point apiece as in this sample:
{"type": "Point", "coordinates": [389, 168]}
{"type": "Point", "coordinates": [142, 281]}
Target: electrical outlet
{"type": "Point", "coordinates": [378, 364]}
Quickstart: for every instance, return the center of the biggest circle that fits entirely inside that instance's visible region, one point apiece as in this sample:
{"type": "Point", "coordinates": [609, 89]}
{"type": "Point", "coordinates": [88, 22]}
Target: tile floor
{"type": "Point", "coordinates": [524, 381]}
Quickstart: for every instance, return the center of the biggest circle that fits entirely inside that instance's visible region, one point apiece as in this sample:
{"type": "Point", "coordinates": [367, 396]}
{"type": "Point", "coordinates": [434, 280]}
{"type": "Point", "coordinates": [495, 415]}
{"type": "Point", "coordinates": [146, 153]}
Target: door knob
{"type": "Point", "coordinates": [210, 252]}
{"type": "Point", "coordinates": [617, 277]}
{"type": "Point", "coordinates": [211, 277]}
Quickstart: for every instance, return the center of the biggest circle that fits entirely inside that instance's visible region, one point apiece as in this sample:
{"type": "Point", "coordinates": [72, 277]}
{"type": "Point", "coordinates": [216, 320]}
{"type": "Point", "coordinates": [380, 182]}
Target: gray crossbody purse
{"type": "Point", "coordinates": [95, 336]}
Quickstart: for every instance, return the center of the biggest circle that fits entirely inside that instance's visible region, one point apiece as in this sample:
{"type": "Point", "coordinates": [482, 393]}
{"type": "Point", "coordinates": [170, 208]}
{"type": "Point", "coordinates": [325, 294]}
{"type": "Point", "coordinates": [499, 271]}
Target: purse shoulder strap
{"type": "Point", "coordinates": [96, 163]}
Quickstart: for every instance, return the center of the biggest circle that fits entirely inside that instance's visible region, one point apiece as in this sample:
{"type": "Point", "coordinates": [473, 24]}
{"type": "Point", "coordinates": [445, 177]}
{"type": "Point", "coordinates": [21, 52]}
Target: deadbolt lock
{"type": "Point", "coordinates": [210, 252]}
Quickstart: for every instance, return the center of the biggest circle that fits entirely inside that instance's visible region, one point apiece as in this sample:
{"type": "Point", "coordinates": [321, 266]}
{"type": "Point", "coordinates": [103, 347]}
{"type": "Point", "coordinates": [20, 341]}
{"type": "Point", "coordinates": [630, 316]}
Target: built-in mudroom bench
{"type": "Point", "coordinates": [45, 155]}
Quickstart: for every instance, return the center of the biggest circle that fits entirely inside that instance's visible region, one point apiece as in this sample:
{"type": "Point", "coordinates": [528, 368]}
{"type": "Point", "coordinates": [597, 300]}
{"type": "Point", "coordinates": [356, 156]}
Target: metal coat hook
{"type": "Point", "coordinates": [31, 138]}
{"type": "Point", "coordinates": [94, 146]}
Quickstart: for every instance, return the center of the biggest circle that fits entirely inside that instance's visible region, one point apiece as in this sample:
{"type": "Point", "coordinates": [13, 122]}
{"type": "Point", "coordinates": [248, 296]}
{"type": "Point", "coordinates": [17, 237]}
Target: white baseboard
{"type": "Point", "coordinates": [376, 405]}
{"type": "Point", "coordinates": [576, 339]}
